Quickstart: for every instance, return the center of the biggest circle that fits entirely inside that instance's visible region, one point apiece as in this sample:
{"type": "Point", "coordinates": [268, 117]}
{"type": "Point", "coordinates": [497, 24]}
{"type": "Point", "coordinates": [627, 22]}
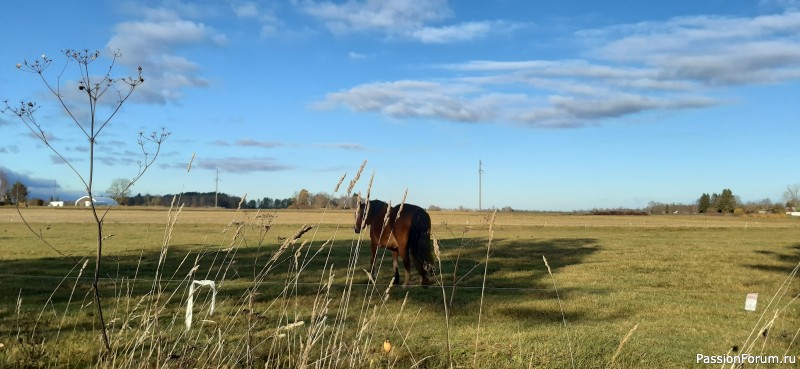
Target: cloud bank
{"type": "Point", "coordinates": [631, 69]}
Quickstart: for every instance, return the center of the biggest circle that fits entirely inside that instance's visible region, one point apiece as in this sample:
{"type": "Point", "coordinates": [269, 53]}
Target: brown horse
{"type": "Point", "coordinates": [408, 236]}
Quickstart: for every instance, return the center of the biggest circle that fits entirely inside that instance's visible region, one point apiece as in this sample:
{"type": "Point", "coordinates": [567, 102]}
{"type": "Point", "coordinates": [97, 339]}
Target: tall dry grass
{"type": "Point", "coordinates": [335, 328]}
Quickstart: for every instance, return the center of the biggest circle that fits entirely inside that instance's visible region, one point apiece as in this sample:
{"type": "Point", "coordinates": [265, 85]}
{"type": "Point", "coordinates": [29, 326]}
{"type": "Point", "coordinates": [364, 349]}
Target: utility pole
{"type": "Point", "coordinates": [480, 173]}
{"type": "Point", "coordinates": [216, 188]}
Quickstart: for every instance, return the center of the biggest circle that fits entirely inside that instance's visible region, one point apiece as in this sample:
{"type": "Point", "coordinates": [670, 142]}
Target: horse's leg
{"type": "Point", "coordinates": [406, 264]}
{"type": "Point", "coordinates": [394, 264]}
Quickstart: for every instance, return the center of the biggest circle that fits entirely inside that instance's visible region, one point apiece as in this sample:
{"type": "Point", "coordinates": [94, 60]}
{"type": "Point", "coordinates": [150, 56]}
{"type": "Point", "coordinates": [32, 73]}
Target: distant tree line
{"type": "Point", "coordinates": [302, 199]}
{"type": "Point", "coordinates": [671, 208]}
{"type": "Point", "coordinates": [305, 199]}
{"type": "Point", "coordinates": [207, 200]}
{"type": "Point", "coordinates": [620, 211]}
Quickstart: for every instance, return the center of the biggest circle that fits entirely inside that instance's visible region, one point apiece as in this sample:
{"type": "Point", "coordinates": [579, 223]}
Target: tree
{"type": "Point", "coordinates": [320, 200]}
{"type": "Point", "coordinates": [4, 187]}
{"type": "Point", "coordinates": [120, 189]}
{"type": "Point", "coordinates": [302, 200]}
{"type": "Point", "coordinates": [703, 203]}
{"type": "Point", "coordinates": [792, 195]}
{"type": "Point", "coordinates": [18, 193]}
{"type": "Point", "coordinates": [715, 202]}
{"type": "Point", "coordinates": [726, 202]}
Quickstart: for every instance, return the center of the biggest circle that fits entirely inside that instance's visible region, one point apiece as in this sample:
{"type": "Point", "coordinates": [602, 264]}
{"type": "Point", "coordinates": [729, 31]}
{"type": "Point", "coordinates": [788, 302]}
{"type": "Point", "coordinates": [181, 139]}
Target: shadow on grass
{"type": "Point", "coordinates": [785, 260]}
{"type": "Point", "coordinates": [516, 274]}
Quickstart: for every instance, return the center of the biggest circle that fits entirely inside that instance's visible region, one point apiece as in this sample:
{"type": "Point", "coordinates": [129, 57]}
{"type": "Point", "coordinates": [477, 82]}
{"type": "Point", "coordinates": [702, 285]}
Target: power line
{"type": "Point", "coordinates": [216, 188]}
{"type": "Point", "coordinates": [480, 180]}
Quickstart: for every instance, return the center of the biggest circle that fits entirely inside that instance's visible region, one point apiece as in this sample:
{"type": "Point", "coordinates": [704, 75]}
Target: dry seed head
{"type": "Point", "coordinates": [622, 343]}
{"type": "Point", "coordinates": [355, 179]}
{"type": "Point", "coordinates": [189, 168]}
{"type": "Point", "coordinates": [289, 327]}
{"type": "Point", "coordinates": [386, 216]}
{"type": "Point", "coordinates": [369, 188]}
{"type": "Point", "coordinates": [402, 203]}
{"type": "Point", "coordinates": [547, 265]}
{"type": "Point", "coordinates": [336, 189]}
{"type": "Point", "coordinates": [388, 288]}
{"type": "Point", "coordinates": [369, 275]}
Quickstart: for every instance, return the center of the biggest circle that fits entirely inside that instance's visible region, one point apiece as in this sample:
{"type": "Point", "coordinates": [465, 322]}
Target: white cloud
{"type": "Point", "coordinates": [352, 55]}
{"type": "Point", "coordinates": [404, 19]}
{"type": "Point", "coordinates": [154, 43]}
{"type": "Point", "coordinates": [447, 34]}
{"type": "Point", "coordinates": [241, 165]}
{"type": "Point", "coordinates": [709, 50]}
{"type": "Point", "coordinates": [269, 22]}
{"type": "Point", "coordinates": [410, 99]}
{"type": "Point", "coordinates": [469, 104]}
{"type": "Point", "coordinates": [387, 15]}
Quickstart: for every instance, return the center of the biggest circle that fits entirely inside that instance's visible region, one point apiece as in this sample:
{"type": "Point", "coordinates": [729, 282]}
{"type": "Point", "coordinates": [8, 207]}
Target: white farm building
{"type": "Point", "coordinates": [97, 200]}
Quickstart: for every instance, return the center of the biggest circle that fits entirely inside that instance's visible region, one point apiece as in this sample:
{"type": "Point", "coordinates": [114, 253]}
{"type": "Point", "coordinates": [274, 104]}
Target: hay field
{"type": "Point", "coordinates": [680, 280]}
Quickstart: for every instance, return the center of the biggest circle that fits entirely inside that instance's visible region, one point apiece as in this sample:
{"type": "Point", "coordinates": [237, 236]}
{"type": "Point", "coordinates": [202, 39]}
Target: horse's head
{"type": "Point", "coordinates": [360, 214]}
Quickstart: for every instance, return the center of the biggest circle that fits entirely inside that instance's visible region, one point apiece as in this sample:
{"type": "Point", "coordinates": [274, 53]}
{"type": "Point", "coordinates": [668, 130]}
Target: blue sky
{"type": "Point", "coordinates": [569, 104]}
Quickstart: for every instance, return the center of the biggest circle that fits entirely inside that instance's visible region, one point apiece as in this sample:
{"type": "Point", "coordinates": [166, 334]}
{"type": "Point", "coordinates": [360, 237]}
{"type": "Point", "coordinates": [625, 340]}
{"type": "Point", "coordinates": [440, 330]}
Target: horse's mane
{"type": "Point", "coordinates": [376, 208]}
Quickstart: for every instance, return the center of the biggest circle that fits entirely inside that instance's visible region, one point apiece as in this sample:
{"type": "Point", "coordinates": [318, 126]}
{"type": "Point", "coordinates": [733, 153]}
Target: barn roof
{"type": "Point", "coordinates": [97, 200]}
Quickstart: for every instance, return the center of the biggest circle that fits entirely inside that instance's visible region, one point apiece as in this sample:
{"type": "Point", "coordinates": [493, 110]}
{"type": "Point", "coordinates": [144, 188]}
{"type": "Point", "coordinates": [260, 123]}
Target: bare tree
{"type": "Point", "coordinates": [792, 195]}
{"type": "Point", "coordinates": [4, 187]}
{"type": "Point", "coordinates": [302, 199]}
{"type": "Point", "coordinates": [105, 96]}
{"type": "Point", "coordinates": [120, 189]}
{"type": "Point", "coordinates": [320, 200]}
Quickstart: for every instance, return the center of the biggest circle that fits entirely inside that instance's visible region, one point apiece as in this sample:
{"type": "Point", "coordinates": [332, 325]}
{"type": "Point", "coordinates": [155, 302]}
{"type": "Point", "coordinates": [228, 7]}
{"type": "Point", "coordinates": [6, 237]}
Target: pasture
{"type": "Point", "coordinates": [681, 281]}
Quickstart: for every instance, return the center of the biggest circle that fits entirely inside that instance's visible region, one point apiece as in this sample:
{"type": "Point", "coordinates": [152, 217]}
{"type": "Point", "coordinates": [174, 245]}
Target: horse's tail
{"type": "Point", "coordinates": [420, 246]}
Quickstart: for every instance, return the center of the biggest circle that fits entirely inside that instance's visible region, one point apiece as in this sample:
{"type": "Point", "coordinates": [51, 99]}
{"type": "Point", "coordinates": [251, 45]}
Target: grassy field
{"type": "Point", "coordinates": [681, 281]}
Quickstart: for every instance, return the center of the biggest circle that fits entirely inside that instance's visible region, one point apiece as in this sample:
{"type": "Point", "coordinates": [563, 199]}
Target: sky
{"type": "Point", "coordinates": [568, 105]}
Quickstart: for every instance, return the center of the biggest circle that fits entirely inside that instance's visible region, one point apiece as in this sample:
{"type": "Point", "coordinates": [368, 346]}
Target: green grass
{"type": "Point", "coordinates": [682, 279]}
